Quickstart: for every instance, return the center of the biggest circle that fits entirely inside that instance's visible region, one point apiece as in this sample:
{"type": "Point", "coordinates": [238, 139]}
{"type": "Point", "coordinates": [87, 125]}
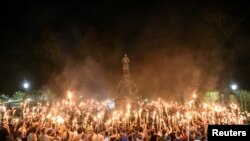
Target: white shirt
{"type": "Point", "coordinates": [106, 139]}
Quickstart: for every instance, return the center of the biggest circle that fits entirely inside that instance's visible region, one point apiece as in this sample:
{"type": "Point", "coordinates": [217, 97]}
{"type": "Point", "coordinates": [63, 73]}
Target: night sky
{"type": "Point", "coordinates": [174, 47]}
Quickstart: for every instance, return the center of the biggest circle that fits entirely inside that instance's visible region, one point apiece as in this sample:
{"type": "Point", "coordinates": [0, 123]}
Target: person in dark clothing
{"type": "Point", "coordinates": [153, 136]}
{"type": "Point", "coordinates": [172, 135]}
{"type": "Point", "coordinates": [4, 133]}
{"type": "Point", "coordinates": [114, 136]}
{"type": "Point", "coordinates": [130, 136]}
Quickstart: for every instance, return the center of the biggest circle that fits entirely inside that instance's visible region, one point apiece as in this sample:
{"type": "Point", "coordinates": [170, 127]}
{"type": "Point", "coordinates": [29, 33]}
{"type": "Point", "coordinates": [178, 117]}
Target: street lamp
{"type": "Point", "coordinates": [234, 87]}
{"type": "Point", "coordinates": [26, 87]}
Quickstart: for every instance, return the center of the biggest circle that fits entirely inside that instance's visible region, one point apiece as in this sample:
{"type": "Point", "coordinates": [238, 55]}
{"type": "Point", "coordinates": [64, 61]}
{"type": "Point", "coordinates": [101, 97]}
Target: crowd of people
{"type": "Point", "coordinates": [95, 121]}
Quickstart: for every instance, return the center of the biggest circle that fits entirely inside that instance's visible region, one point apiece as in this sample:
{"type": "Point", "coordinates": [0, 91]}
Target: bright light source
{"type": "Point", "coordinates": [194, 95]}
{"type": "Point", "coordinates": [29, 99]}
{"type": "Point", "coordinates": [69, 95]}
{"type": "Point", "coordinates": [59, 119]}
{"type": "Point", "coordinates": [110, 104]}
{"type": "Point", "coordinates": [128, 107]}
{"type": "Point", "coordinates": [26, 85]}
{"type": "Point", "coordinates": [234, 87]}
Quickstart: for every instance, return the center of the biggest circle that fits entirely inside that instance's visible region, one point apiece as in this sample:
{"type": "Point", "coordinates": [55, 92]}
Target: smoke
{"type": "Point", "coordinates": [176, 73]}
{"type": "Point", "coordinates": [179, 58]}
{"type": "Point", "coordinates": [86, 79]}
{"type": "Point", "coordinates": [89, 68]}
{"type": "Point", "coordinates": [170, 57]}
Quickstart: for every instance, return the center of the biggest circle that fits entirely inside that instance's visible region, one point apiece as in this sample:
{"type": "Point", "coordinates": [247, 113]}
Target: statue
{"type": "Point", "coordinates": [125, 62]}
{"type": "Point", "coordinates": [126, 88]}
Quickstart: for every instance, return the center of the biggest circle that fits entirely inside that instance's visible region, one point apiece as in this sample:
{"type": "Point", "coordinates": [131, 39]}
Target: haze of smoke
{"type": "Point", "coordinates": [162, 72]}
{"type": "Point", "coordinates": [85, 79]}
{"type": "Point", "coordinates": [179, 58]}
{"type": "Point", "coordinates": [90, 69]}
{"type": "Point", "coordinates": [169, 59]}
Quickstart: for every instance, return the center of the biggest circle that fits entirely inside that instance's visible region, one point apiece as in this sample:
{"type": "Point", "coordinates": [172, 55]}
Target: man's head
{"type": "Point", "coordinates": [43, 131]}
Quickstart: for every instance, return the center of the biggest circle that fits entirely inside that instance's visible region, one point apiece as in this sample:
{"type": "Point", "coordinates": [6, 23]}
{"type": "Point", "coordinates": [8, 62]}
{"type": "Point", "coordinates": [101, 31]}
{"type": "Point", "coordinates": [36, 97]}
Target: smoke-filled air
{"type": "Point", "coordinates": [170, 56]}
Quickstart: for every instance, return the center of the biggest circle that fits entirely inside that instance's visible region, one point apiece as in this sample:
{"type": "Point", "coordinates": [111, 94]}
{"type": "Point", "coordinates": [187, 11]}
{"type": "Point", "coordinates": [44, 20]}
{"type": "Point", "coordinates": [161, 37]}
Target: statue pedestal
{"type": "Point", "coordinates": [127, 92]}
